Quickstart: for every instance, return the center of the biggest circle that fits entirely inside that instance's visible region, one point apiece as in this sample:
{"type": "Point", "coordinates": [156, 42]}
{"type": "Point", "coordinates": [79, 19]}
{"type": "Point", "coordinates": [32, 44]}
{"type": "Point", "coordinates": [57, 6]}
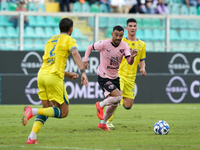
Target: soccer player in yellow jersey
{"type": "Point", "coordinates": [127, 73]}
{"type": "Point", "coordinates": [50, 78]}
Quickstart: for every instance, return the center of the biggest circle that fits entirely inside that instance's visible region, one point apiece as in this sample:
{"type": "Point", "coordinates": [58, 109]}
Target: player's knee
{"type": "Point", "coordinates": [64, 114]}
{"type": "Point", "coordinates": [128, 107]}
{"type": "Point", "coordinates": [119, 98]}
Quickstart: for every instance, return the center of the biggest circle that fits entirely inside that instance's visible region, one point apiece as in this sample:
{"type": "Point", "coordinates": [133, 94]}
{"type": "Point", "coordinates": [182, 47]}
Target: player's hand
{"type": "Point", "coordinates": [84, 79]}
{"type": "Point", "coordinates": [133, 52]}
{"type": "Point", "coordinates": [143, 72]}
{"type": "Point", "coordinates": [85, 65]}
{"type": "Point", "coordinates": [73, 75]}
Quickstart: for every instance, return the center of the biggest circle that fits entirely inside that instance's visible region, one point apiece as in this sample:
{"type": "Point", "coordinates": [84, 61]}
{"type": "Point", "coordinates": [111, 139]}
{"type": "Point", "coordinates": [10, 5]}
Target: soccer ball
{"type": "Point", "coordinates": [161, 127]}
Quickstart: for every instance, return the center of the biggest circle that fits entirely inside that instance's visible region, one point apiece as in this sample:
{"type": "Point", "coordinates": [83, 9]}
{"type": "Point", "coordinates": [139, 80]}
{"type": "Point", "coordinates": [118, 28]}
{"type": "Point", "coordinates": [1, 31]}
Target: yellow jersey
{"type": "Point", "coordinates": [57, 50]}
{"type": "Point", "coordinates": [130, 71]}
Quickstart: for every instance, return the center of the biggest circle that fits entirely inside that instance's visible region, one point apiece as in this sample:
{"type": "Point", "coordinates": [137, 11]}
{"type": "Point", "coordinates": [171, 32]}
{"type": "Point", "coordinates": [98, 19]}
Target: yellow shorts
{"type": "Point", "coordinates": [52, 87]}
{"type": "Point", "coordinates": [128, 87]}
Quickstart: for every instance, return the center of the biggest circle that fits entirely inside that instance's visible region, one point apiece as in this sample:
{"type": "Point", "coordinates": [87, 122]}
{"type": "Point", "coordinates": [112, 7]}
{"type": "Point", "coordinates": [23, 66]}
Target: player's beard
{"type": "Point", "coordinates": [116, 42]}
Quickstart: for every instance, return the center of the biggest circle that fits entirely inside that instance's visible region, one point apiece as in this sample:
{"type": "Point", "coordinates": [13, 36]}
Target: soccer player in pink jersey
{"type": "Point", "coordinates": [111, 54]}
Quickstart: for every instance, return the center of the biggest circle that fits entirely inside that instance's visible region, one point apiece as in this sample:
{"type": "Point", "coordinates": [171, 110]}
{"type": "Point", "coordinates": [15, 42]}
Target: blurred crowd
{"type": "Point", "coordinates": [119, 6]}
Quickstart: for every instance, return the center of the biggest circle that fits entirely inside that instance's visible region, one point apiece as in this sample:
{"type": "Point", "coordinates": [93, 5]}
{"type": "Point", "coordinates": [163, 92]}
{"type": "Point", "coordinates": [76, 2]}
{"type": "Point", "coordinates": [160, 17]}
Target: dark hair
{"type": "Point", "coordinates": [131, 20]}
{"type": "Point", "coordinates": [65, 24]}
{"type": "Point", "coordinates": [118, 28]}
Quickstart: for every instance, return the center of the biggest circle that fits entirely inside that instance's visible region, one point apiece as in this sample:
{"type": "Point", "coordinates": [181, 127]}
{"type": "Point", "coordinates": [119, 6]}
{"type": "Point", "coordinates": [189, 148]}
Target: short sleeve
{"type": "Point", "coordinates": [98, 45]}
{"type": "Point", "coordinates": [72, 44]}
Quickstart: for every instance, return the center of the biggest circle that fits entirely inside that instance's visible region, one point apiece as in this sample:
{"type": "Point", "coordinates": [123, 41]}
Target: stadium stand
{"type": "Point", "coordinates": [150, 30]}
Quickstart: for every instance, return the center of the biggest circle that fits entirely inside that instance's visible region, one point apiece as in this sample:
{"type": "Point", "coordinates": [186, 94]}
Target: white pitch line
{"type": "Point", "coordinates": [51, 147]}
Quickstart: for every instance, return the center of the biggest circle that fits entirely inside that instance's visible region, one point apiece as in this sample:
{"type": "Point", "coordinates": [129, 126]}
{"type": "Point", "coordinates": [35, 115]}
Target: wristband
{"type": "Point", "coordinates": [82, 71]}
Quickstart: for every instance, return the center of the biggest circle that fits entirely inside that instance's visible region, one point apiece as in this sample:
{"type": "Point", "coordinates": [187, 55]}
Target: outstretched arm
{"type": "Point", "coordinates": [77, 58]}
{"type": "Point", "coordinates": [87, 54]}
{"type": "Point", "coordinates": [71, 75]}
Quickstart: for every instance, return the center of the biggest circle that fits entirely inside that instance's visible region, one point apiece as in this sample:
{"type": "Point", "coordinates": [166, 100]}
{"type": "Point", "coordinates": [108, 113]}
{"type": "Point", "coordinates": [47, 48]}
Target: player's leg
{"type": "Point", "coordinates": [110, 120]}
{"type": "Point", "coordinates": [39, 122]}
{"type": "Point", "coordinates": [113, 94]}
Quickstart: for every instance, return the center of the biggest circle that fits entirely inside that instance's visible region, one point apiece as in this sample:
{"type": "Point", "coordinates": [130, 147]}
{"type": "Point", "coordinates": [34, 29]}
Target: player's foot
{"type": "Point", "coordinates": [27, 115]}
{"type": "Point", "coordinates": [103, 126]}
{"type": "Point", "coordinates": [99, 111]}
{"type": "Point", "coordinates": [29, 141]}
{"type": "Point", "coordinates": [109, 124]}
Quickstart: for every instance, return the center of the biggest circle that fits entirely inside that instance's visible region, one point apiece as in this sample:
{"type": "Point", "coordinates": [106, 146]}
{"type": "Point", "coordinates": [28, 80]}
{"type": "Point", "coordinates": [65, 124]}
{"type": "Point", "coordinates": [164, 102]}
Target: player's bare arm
{"type": "Point", "coordinates": [87, 54]}
{"type": "Point", "coordinates": [71, 75]}
{"type": "Point", "coordinates": [142, 67]}
{"type": "Point", "coordinates": [77, 58]}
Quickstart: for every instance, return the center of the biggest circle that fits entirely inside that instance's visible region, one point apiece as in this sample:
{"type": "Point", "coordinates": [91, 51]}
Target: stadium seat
{"type": "Point", "coordinates": [198, 33]}
{"type": "Point", "coordinates": [32, 6]}
{"type": "Point", "coordinates": [11, 32]}
{"type": "Point", "coordinates": [41, 7]}
{"type": "Point", "coordinates": [39, 45]}
{"type": "Point", "coordinates": [125, 33]}
{"type": "Point", "coordinates": [140, 34]}
{"type": "Point", "coordinates": [159, 35]}
{"type": "Point", "coordinates": [77, 34]}
{"type": "Point", "coordinates": [148, 35]}
{"type": "Point", "coordinates": [2, 32]}
{"type": "Point", "coordinates": [193, 10]}
{"type": "Point", "coordinates": [198, 11]}
{"type": "Point", "coordinates": [183, 47]}
{"type": "Point", "coordinates": [183, 23]}
{"type": "Point", "coordinates": [4, 6]}
{"type": "Point", "coordinates": [174, 10]}
{"type": "Point", "coordinates": [174, 23]}
{"type": "Point", "coordinates": [156, 23]}
{"type": "Point", "coordinates": [193, 23]}
{"type": "Point", "coordinates": [103, 8]}
{"type": "Point", "coordinates": [174, 46]}
{"type": "Point", "coordinates": [192, 35]}
{"type": "Point", "coordinates": [84, 44]}
{"type": "Point", "coordinates": [108, 32]}
{"type": "Point", "coordinates": [112, 21]}
{"type": "Point", "coordinates": [121, 22]}
{"type": "Point", "coordinates": [174, 36]}
{"type": "Point", "coordinates": [184, 10]}
{"type": "Point", "coordinates": [28, 45]}
{"type": "Point", "coordinates": [184, 34]}
{"type": "Point", "coordinates": [4, 21]}
{"type": "Point", "coordinates": [94, 8]}
{"type": "Point", "coordinates": [191, 47]}
{"type": "Point", "coordinates": [11, 45]}
{"type": "Point", "coordinates": [39, 32]}
{"type": "Point", "coordinates": [48, 32]}
{"type": "Point", "coordinates": [159, 47]}
{"type": "Point", "coordinates": [32, 21]}
{"type": "Point", "coordinates": [40, 20]}
{"type": "Point", "coordinates": [50, 21]}
{"type": "Point", "coordinates": [103, 23]}
{"type": "Point", "coordinates": [12, 6]}
{"type": "Point", "coordinates": [56, 30]}
{"type": "Point", "coordinates": [146, 22]}
{"type": "Point", "coordinates": [76, 7]}
{"type": "Point", "coordinates": [86, 7]}
{"type": "Point", "coordinates": [149, 46]}
{"type": "Point", "coordinates": [57, 19]}
{"type": "Point", "coordinates": [29, 32]}
{"type": "Point", "coordinates": [139, 22]}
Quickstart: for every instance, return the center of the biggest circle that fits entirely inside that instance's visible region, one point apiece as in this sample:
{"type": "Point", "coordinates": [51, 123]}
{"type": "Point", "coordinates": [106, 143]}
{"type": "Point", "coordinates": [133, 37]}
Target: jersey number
{"type": "Point", "coordinates": [51, 52]}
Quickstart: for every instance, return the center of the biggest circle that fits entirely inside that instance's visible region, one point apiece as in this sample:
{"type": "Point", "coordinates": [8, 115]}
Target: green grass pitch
{"type": "Point", "coordinates": [79, 131]}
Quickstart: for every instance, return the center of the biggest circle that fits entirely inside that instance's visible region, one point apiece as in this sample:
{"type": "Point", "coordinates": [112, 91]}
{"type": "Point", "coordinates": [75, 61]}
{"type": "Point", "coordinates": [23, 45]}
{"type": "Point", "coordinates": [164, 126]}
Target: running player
{"type": "Point", "coordinates": [51, 87]}
{"type": "Point", "coordinates": [127, 72]}
{"type": "Point", "coordinates": [111, 54]}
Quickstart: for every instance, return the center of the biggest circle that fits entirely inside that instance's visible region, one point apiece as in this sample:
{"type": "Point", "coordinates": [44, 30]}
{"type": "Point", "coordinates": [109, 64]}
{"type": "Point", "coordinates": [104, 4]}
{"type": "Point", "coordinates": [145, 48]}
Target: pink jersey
{"type": "Point", "coordinates": [110, 57]}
